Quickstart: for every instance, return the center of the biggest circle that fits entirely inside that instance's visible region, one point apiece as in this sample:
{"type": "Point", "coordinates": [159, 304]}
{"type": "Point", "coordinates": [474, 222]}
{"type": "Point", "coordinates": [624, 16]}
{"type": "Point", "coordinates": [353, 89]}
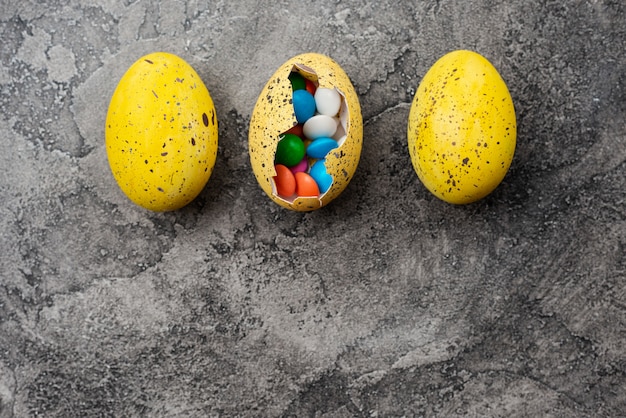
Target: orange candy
{"type": "Point", "coordinates": [305, 185]}
{"type": "Point", "coordinates": [284, 180]}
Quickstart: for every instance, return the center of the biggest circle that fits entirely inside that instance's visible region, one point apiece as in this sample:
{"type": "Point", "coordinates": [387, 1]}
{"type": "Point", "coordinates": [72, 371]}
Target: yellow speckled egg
{"type": "Point", "coordinates": [274, 116]}
{"type": "Point", "coordinates": [161, 133]}
{"type": "Point", "coordinates": [462, 128]}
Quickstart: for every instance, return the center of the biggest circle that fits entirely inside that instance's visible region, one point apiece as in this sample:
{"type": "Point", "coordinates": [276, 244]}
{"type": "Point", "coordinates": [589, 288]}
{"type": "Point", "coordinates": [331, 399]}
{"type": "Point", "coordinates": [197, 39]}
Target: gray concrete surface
{"type": "Point", "coordinates": [387, 302]}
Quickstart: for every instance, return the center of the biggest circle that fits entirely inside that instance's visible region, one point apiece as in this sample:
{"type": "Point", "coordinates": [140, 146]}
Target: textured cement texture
{"type": "Point", "coordinates": [387, 302]}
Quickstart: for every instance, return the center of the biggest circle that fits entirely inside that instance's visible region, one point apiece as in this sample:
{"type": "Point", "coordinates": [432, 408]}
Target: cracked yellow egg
{"type": "Point", "coordinates": [462, 128]}
{"type": "Point", "coordinates": [161, 133]}
{"type": "Point", "coordinates": [306, 133]}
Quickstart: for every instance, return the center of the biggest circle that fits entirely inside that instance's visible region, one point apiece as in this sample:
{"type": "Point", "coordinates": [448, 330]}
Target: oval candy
{"type": "Point", "coordinates": [303, 105]}
{"type": "Point", "coordinates": [321, 177]}
{"type": "Point", "coordinates": [327, 101]}
{"type": "Point", "coordinates": [297, 81]}
{"type": "Point", "coordinates": [284, 180]}
{"type": "Point", "coordinates": [302, 166]}
{"type": "Point", "coordinates": [310, 87]}
{"type": "Point", "coordinates": [320, 147]}
{"type": "Point", "coordinates": [290, 150]}
{"type": "Point", "coordinates": [297, 130]}
{"type": "Point", "coordinates": [306, 186]}
{"type": "Point", "coordinates": [319, 126]}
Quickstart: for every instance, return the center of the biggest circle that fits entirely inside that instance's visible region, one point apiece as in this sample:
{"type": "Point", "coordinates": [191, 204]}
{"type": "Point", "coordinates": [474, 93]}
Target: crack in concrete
{"type": "Point", "coordinates": [389, 109]}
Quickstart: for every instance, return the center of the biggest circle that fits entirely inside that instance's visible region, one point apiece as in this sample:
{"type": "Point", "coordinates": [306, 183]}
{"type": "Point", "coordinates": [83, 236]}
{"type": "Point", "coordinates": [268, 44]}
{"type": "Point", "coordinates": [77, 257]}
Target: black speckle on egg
{"type": "Point", "coordinates": [205, 119]}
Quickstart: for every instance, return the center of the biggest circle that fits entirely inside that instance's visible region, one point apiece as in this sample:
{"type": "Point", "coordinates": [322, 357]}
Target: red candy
{"type": "Point", "coordinates": [296, 130]}
{"type": "Point", "coordinates": [310, 86]}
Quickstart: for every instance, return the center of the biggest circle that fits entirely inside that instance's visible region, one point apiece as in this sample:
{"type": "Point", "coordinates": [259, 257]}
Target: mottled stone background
{"type": "Point", "coordinates": [387, 302]}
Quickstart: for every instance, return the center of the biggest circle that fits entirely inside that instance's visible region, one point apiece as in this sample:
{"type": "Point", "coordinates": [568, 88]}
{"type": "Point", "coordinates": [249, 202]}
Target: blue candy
{"type": "Point", "coordinates": [303, 105]}
{"type": "Point", "coordinates": [320, 147]}
{"type": "Point", "coordinates": [321, 177]}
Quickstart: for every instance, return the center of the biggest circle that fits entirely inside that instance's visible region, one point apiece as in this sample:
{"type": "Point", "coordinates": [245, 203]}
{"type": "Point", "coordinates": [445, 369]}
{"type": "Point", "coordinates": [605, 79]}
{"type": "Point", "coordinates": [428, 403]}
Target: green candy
{"type": "Point", "coordinates": [290, 150]}
{"type": "Point", "coordinates": [297, 81]}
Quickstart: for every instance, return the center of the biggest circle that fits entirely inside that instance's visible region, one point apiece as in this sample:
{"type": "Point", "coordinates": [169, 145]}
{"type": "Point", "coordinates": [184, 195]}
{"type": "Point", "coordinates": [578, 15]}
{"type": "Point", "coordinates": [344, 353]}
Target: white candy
{"type": "Point", "coordinates": [320, 126]}
{"type": "Point", "coordinates": [327, 101]}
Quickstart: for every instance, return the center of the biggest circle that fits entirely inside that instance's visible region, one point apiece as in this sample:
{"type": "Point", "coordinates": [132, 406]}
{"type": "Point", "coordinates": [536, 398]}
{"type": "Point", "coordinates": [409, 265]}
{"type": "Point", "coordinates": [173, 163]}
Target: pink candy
{"type": "Point", "coordinates": [301, 167]}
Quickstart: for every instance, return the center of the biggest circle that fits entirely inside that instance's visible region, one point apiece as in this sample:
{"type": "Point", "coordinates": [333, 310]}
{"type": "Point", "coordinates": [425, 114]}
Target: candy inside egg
{"type": "Point", "coordinates": [319, 126]}
{"type": "Point", "coordinates": [302, 149]}
{"type": "Point", "coordinates": [327, 101]}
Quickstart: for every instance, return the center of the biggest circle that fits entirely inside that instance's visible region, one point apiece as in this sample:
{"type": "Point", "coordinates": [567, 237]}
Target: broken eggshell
{"type": "Point", "coordinates": [273, 115]}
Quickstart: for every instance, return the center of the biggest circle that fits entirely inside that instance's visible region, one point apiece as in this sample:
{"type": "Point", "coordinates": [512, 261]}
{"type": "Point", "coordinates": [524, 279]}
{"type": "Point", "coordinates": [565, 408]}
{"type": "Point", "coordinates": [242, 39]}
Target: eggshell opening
{"type": "Point", "coordinates": [339, 136]}
{"type": "Point", "coordinates": [273, 115]}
